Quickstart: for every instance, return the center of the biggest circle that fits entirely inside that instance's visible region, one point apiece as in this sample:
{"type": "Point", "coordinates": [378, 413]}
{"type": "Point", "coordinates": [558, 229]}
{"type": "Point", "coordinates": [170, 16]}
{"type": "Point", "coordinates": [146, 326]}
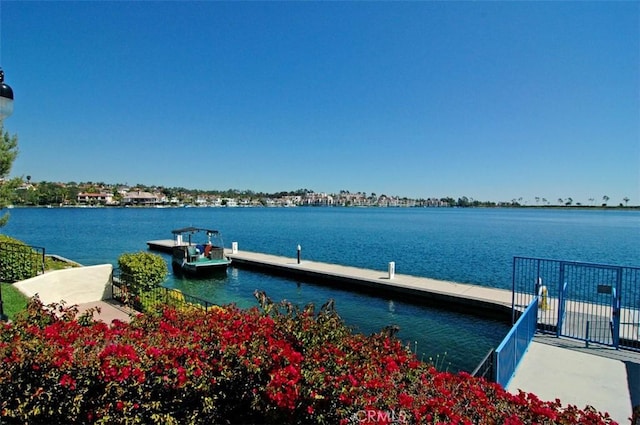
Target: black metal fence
{"type": "Point", "coordinates": [20, 262]}
{"type": "Point", "coordinates": [486, 367]}
{"type": "Point", "coordinates": [149, 300]}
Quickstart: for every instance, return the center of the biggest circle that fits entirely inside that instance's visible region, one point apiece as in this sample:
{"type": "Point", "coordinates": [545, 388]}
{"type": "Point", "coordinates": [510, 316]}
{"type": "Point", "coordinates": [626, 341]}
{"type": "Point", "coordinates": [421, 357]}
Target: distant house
{"type": "Point", "coordinates": [94, 198]}
{"type": "Point", "coordinates": [318, 199]}
{"type": "Point", "coordinates": [139, 197]}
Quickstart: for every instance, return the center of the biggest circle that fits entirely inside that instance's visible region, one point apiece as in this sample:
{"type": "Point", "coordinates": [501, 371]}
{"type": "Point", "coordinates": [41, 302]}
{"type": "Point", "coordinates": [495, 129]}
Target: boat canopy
{"type": "Point", "coordinates": [193, 230]}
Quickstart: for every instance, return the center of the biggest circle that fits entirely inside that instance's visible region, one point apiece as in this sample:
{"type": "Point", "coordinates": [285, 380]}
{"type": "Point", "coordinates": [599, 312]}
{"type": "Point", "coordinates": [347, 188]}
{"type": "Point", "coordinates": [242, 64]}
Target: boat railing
{"type": "Point", "coordinates": [217, 253]}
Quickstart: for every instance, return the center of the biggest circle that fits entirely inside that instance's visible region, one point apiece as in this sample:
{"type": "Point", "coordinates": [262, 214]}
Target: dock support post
{"type": "Point", "coordinates": [234, 247]}
{"type": "Point", "coordinates": [299, 249]}
{"type": "Point", "coordinates": [392, 269]}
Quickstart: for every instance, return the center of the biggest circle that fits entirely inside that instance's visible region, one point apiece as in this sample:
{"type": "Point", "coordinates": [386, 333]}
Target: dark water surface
{"type": "Point", "coordinates": [464, 245]}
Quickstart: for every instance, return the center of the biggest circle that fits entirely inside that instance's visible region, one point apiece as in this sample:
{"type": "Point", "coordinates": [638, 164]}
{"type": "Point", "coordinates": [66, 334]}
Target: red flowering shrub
{"type": "Point", "coordinates": [274, 365]}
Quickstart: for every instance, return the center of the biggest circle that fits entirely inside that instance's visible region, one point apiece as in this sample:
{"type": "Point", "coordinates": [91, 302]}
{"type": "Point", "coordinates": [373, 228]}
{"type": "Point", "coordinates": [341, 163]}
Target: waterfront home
{"type": "Point", "coordinates": [100, 198]}
{"type": "Point", "coordinates": [140, 198]}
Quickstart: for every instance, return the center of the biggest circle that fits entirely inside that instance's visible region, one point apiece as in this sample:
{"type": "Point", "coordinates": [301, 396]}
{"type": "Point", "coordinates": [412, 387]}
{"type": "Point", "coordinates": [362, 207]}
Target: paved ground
{"type": "Point", "coordinates": [109, 310]}
{"type": "Point", "coordinates": [599, 376]}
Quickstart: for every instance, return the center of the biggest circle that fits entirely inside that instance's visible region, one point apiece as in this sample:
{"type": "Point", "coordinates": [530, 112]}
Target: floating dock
{"type": "Point", "coordinates": [472, 299]}
{"type": "Point", "coordinates": [164, 245]}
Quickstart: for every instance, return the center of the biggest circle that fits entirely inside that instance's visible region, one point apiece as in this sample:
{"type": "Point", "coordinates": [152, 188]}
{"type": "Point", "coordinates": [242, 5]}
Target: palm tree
{"type": "Point", "coordinates": [605, 198]}
{"type": "Point", "coordinates": [626, 200]}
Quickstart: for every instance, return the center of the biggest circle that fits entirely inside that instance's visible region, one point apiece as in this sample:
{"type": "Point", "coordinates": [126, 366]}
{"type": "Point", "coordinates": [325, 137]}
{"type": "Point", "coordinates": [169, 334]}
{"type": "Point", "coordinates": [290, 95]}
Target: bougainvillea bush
{"type": "Point", "coordinates": [274, 364]}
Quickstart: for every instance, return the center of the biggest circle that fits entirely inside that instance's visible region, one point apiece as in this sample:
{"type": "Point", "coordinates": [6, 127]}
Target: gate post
{"type": "Point", "coordinates": [615, 312]}
{"type": "Point", "coordinates": [561, 299]}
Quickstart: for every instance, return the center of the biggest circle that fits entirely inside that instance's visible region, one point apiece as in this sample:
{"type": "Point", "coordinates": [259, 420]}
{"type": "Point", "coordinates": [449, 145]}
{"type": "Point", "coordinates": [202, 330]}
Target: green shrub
{"type": "Point", "coordinates": [18, 261]}
{"type": "Point", "coordinates": [142, 271]}
{"type": "Point", "coordinates": [155, 299]}
{"type": "Point", "coordinates": [55, 263]}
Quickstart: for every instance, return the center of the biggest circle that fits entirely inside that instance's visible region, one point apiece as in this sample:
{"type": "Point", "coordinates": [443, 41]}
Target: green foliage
{"type": "Point", "coordinates": [18, 261]}
{"type": "Point", "coordinates": [155, 299]}
{"type": "Point", "coordinates": [142, 271]}
{"type": "Point", "coordinates": [13, 301]}
{"type": "Point", "coordinates": [8, 154]}
{"type": "Point", "coordinates": [53, 263]}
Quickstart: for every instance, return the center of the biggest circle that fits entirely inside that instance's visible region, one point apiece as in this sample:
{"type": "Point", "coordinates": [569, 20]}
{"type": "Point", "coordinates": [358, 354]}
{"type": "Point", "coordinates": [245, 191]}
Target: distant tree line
{"type": "Point", "coordinates": [24, 192]}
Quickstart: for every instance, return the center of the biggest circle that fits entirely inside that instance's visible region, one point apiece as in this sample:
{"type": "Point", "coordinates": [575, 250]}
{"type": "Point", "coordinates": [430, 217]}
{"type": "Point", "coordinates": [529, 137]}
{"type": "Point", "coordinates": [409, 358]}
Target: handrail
{"type": "Point", "coordinates": [512, 348]}
{"type": "Point", "coordinates": [485, 367]}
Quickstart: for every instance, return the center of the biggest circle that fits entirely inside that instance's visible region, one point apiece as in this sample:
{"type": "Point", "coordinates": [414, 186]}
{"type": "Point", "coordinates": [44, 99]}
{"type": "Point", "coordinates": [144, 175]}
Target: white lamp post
{"type": "Point", "coordinates": [6, 109]}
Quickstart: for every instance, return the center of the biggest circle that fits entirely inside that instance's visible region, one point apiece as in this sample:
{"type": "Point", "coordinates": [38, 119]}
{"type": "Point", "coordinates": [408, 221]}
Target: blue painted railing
{"type": "Point", "coordinates": [513, 347]}
{"type": "Point", "coordinates": [597, 303]}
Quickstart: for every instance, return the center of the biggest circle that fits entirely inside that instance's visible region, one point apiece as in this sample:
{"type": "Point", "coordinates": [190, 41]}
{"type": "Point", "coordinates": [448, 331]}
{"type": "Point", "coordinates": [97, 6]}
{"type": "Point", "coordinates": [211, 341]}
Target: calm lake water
{"type": "Point", "coordinates": [464, 245]}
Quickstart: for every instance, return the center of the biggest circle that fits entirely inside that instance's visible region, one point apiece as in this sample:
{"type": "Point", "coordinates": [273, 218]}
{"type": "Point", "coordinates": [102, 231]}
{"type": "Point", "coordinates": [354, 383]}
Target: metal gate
{"type": "Point", "coordinates": [591, 302]}
{"type": "Point", "coordinates": [589, 305]}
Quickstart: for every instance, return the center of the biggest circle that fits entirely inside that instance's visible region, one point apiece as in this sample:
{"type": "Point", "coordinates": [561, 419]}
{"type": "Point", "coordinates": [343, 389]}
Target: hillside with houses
{"type": "Point", "coordinates": [28, 193]}
{"type": "Point", "coordinates": [99, 194]}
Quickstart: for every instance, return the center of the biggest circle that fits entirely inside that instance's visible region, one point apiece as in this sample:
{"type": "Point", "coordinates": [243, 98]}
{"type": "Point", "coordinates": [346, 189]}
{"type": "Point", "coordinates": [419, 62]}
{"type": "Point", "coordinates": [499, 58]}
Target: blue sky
{"type": "Point", "coordinates": [489, 100]}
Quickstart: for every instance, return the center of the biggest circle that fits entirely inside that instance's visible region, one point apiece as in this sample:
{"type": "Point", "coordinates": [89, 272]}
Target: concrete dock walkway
{"type": "Point", "coordinates": [598, 376]}
{"type": "Point", "coordinates": [474, 299]}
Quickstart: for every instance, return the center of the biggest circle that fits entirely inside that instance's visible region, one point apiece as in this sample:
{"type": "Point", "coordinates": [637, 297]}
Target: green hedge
{"type": "Point", "coordinates": [18, 261]}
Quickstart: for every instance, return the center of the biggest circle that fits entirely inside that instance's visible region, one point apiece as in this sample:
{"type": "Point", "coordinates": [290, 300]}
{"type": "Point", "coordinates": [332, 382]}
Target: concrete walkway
{"type": "Point", "coordinates": [109, 310]}
{"type": "Point", "coordinates": [472, 298]}
{"type": "Point", "coordinates": [599, 376]}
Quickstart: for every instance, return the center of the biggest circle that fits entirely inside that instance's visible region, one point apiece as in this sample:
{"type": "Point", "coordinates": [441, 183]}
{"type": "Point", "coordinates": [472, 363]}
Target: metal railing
{"type": "Point", "coordinates": [591, 302]}
{"type": "Point", "coordinates": [485, 368]}
{"type": "Point", "coordinates": [20, 262]}
{"type": "Point", "coordinates": [513, 347]}
{"type": "Point", "coordinates": [159, 295]}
